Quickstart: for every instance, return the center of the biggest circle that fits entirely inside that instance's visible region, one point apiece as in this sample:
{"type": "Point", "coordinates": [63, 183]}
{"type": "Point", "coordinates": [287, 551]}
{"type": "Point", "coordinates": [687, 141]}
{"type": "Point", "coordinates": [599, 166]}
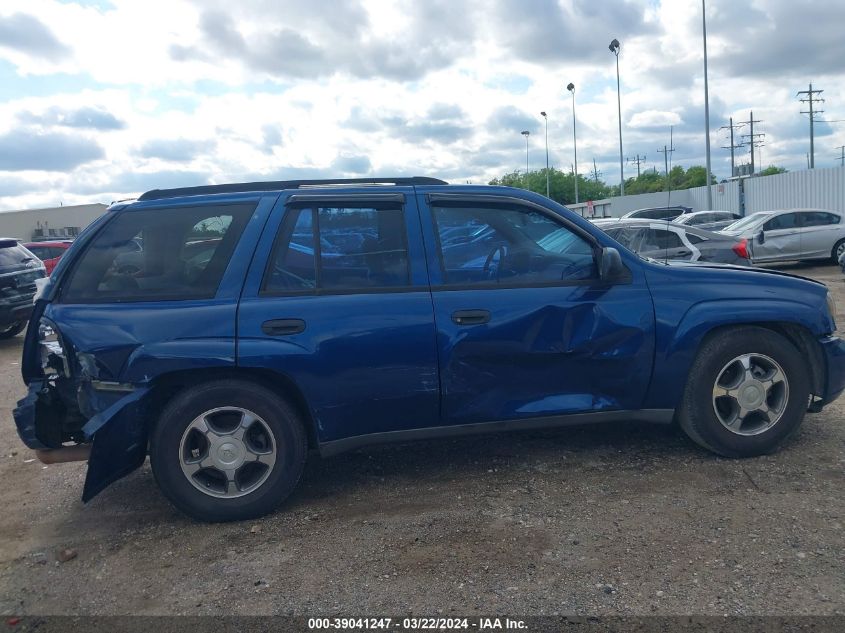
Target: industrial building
{"type": "Point", "coordinates": [53, 223]}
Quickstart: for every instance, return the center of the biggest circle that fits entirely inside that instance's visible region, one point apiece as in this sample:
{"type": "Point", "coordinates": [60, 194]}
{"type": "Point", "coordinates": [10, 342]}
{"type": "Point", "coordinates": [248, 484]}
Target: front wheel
{"type": "Point", "coordinates": [228, 450]}
{"type": "Point", "coordinates": [12, 330]}
{"type": "Point", "coordinates": [746, 393]}
{"type": "Point", "coordinates": [838, 251]}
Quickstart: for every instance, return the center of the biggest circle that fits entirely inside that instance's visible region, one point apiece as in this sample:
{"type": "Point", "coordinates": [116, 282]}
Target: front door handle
{"type": "Point", "coordinates": [471, 317]}
{"type": "Point", "coordinates": [283, 327]}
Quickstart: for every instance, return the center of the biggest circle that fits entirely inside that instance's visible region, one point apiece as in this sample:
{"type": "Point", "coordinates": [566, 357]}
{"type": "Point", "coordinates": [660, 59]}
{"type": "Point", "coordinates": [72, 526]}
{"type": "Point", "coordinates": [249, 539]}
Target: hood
{"type": "Point", "coordinates": [740, 269]}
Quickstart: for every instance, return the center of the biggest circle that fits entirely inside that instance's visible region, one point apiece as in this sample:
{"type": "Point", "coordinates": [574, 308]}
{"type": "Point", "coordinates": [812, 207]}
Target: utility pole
{"type": "Point", "coordinates": [733, 145]}
{"type": "Point", "coordinates": [706, 107]}
{"type": "Point", "coordinates": [841, 157]}
{"type": "Point", "coordinates": [639, 160]}
{"type": "Point", "coordinates": [666, 151]}
{"type": "Point", "coordinates": [596, 172]}
{"type": "Point", "coordinates": [752, 138]}
{"type": "Point", "coordinates": [811, 98]}
{"type": "Point", "coordinates": [546, 118]}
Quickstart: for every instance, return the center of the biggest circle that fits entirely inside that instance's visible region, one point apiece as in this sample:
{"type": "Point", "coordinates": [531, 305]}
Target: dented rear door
{"type": "Point", "coordinates": [524, 333]}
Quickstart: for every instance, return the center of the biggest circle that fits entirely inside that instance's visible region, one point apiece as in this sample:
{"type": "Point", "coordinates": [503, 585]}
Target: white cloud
{"type": "Point", "coordinates": [382, 93]}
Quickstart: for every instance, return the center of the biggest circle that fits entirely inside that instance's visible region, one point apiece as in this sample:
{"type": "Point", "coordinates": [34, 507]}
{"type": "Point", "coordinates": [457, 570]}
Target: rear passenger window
{"type": "Point", "coordinates": [818, 218]}
{"type": "Point", "coordinates": [161, 254]}
{"type": "Point", "coordinates": [339, 249]}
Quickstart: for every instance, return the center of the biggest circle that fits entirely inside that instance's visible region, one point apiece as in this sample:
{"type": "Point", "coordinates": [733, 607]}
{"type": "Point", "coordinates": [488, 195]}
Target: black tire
{"type": "Point", "coordinates": [13, 330]}
{"type": "Point", "coordinates": [833, 256]}
{"type": "Point", "coordinates": [697, 415]}
{"type": "Point", "coordinates": [289, 438]}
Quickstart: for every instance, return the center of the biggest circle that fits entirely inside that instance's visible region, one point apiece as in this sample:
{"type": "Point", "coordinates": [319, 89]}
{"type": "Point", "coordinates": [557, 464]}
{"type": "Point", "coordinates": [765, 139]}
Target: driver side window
{"type": "Point", "coordinates": [509, 246]}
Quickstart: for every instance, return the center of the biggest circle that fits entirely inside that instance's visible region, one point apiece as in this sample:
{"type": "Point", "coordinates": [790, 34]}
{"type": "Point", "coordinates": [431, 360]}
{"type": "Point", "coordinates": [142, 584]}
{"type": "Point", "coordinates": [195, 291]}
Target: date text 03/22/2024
{"type": "Point", "coordinates": [410, 624]}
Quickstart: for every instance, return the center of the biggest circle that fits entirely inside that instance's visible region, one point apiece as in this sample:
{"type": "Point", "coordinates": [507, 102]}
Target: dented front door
{"type": "Point", "coordinates": [526, 341]}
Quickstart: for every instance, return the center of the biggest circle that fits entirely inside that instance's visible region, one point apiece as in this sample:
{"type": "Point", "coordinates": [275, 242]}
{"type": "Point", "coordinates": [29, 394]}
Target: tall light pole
{"type": "Point", "coordinates": [526, 134]}
{"type": "Point", "coordinates": [571, 88]}
{"type": "Point", "coordinates": [614, 48]}
{"type": "Point", "coordinates": [543, 114]}
{"type": "Point", "coordinates": [706, 107]}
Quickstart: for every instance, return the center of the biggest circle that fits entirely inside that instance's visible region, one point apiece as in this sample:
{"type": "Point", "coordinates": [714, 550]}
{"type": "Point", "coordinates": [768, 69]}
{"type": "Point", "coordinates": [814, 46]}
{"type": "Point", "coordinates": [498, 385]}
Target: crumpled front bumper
{"type": "Point", "coordinates": [118, 430]}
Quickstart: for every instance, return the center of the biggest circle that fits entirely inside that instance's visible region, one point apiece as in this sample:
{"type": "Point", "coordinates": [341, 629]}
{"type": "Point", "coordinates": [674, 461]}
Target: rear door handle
{"type": "Point", "coordinates": [471, 317]}
{"type": "Point", "coordinates": [283, 327]}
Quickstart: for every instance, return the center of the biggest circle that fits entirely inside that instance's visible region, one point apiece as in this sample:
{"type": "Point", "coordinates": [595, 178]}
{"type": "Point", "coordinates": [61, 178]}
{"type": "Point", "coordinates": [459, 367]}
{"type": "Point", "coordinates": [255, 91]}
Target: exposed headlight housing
{"type": "Point", "coordinates": [53, 357]}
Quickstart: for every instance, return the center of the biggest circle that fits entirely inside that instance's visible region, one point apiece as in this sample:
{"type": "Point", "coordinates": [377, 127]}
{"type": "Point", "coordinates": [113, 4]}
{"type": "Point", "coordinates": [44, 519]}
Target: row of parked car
{"type": "Point", "coordinates": [678, 233]}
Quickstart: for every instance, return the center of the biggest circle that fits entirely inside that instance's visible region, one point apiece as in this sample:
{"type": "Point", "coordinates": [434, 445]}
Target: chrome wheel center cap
{"type": "Point", "coordinates": [752, 394]}
{"type": "Point", "coordinates": [229, 453]}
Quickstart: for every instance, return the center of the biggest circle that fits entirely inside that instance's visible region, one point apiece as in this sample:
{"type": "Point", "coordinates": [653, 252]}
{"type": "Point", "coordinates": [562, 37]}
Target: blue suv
{"type": "Point", "coordinates": [227, 330]}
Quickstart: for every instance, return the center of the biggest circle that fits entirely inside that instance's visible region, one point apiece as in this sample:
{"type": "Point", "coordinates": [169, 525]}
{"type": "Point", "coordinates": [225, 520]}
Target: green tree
{"type": "Point", "coordinates": [771, 170]}
{"type": "Point", "coordinates": [696, 176]}
{"type": "Point", "coordinates": [561, 185]}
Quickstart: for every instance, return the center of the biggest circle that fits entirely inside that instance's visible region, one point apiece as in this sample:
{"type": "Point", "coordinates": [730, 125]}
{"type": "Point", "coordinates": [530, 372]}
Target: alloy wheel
{"type": "Point", "coordinates": [227, 452]}
{"type": "Point", "coordinates": [750, 394]}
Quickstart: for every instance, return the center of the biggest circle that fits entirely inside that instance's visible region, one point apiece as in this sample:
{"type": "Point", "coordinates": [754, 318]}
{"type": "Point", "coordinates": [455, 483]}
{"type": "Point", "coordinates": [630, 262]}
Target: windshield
{"type": "Point", "coordinates": [14, 254]}
{"type": "Point", "coordinates": [747, 221]}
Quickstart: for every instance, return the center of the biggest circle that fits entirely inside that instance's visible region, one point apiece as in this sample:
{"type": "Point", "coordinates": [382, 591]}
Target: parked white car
{"type": "Point", "coordinates": [791, 234]}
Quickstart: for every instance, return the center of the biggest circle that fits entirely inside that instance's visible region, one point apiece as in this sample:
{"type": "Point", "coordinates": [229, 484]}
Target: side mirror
{"type": "Point", "coordinates": [611, 267]}
{"type": "Point", "coordinates": [761, 237]}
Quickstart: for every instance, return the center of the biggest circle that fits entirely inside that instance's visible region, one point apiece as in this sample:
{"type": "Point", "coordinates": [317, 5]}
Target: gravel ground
{"type": "Point", "coordinates": [612, 520]}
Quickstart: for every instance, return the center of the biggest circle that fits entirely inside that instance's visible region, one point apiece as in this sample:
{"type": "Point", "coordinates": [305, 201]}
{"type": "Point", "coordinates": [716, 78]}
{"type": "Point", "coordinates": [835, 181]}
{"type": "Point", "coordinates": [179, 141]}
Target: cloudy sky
{"type": "Point", "coordinates": [104, 99]}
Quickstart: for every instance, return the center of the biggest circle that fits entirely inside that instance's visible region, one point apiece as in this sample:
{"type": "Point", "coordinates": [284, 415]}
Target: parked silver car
{"type": "Point", "coordinates": [675, 242]}
{"type": "Point", "coordinates": [791, 234]}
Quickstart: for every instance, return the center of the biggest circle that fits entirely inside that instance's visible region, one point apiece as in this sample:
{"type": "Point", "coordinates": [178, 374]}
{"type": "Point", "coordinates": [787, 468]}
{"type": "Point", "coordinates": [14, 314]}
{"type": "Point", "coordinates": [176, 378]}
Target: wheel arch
{"type": "Point", "coordinates": [678, 346]}
{"type": "Point", "coordinates": [166, 386]}
{"type": "Point", "coordinates": [799, 335]}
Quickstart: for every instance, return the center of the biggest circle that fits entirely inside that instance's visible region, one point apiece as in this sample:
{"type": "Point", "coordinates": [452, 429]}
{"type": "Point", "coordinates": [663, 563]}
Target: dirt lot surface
{"type": "Point", "coordinates": [600, 520]}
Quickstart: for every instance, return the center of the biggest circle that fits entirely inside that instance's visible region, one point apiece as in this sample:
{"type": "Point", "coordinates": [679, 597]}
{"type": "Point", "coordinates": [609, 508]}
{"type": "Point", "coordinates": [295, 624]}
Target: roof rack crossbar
{"type": "Point", "coordinates": [274, 185]}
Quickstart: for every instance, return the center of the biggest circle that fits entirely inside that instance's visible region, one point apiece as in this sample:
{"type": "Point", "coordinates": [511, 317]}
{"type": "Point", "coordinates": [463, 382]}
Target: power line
{"type": "Point", "coordinates": [639, 160]}
{"type": "Point", "coordinates": [733, 145]}
{"type": "Point", "coordinates": [754, 140]}
{"type": "Point", "coordinates": [841, 157]}
{"type": "Point", "coordinates": [810, 99]}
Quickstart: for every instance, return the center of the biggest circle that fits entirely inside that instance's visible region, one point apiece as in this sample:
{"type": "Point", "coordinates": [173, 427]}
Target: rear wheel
{"type": "Point", "coordinates": [228, 450]}
{"type": "Point", "coordinates": [12, 330]}
{"type": "Point", "coordinates": [747, 392]}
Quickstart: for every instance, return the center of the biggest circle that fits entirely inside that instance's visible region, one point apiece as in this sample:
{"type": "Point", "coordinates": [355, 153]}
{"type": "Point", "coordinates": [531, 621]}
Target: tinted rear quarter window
{"type": "Point", "coordinates": [158, 254]}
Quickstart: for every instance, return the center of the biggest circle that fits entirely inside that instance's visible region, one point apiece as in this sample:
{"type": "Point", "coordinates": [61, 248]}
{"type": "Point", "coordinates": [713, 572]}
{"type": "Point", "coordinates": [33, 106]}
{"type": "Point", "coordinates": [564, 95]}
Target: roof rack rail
{"type": "Point", "coordinates": [274, 185]}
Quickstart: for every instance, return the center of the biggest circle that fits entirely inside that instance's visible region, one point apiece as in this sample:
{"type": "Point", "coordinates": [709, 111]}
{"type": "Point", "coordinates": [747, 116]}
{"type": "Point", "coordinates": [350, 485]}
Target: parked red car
{"type": "Point", "coordinates": [49, 252]}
